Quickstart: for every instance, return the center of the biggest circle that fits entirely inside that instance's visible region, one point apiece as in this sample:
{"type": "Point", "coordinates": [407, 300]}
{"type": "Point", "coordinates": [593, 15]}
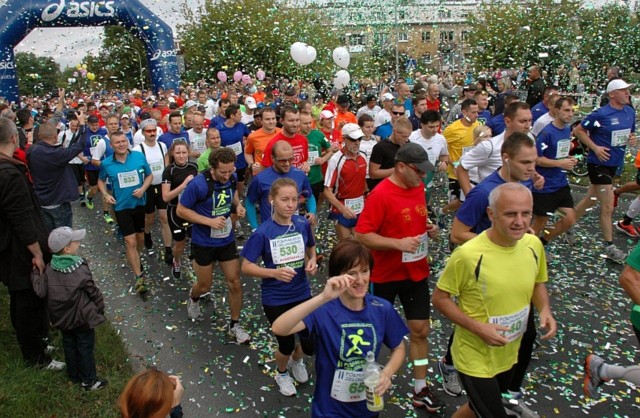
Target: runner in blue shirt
{"type": "Point", "coordinates": [175, 133]}
{"type": "Point", "coordinates": [286, 246]}
{"type": "Point", "coordinates": [130, 176]}
{"type": "Point", "coordinates": [207, 204]}
{"type": "Point", "coordinates": [553, 145]}
{"type": "Point", "coordinates": [346, 323]}
{"type": "Point", "coordinates": [606, 132]}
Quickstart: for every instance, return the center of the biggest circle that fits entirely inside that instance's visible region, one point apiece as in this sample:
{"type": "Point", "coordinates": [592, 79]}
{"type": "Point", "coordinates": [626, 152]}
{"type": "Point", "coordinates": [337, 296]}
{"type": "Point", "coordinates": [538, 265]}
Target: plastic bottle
{"type": "Point", "coordinates": [372, 369]}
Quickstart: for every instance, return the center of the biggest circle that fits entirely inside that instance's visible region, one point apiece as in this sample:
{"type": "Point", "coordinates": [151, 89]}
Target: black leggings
{"type": "Point", "coordinates": [524, 353]}
{"type": "Point", "coordinates": [287, 344]}
{"type": "Point", "coordinates": [485, 393]}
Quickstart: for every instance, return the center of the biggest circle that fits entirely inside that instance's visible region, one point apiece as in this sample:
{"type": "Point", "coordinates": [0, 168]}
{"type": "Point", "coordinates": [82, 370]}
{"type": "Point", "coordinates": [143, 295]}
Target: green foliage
{"type": "Point", "coordinates": [121, 62]}
{"type": "Point", "coordinates": [36, 75]}
{"type": "Point", "coordinates": [249, 35]}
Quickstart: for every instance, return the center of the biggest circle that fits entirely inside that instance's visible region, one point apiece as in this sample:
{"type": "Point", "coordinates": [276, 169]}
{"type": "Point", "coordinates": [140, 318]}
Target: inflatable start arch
{"type": "Point", "coordinates": [19, 17]}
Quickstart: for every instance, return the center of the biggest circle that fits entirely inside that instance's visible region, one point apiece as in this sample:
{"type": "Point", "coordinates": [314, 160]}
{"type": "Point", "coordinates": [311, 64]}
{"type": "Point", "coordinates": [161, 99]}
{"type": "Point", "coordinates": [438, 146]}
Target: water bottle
{"type": "Point", "coordinates": [372, 369]}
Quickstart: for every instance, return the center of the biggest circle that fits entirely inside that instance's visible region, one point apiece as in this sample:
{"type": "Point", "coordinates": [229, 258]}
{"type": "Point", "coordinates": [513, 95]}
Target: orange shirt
{"type": "Point", "coordinates": [257, 142]}
{"type": "Point", "coordinates": [343, 118]}
{"type": "Point", "coordinates": [259, 96]}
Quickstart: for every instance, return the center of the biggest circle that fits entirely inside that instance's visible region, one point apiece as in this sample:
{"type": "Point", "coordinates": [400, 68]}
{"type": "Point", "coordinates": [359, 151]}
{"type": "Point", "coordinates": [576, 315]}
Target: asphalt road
{"type": "Point", "coordinates": [222, 378]}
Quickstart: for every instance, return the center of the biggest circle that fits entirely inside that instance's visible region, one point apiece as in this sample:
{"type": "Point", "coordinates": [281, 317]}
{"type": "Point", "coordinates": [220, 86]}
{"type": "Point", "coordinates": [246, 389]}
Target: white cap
{"type": "Point", "coordinates": [352, 130]}
{"type": "Point", "coordinates": [326, 114]}
{"type": "Point", "coordinates": [387, 97]}
{"type": "Point", "coordinates": [250, 102]}
{"type": "Point", "coordinates": [617, 84]}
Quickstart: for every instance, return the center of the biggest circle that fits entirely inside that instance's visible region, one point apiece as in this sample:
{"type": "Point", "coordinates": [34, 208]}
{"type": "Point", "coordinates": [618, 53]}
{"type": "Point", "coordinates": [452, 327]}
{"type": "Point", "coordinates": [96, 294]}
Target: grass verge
{"type": "Point", "coordinates": [29, 392]}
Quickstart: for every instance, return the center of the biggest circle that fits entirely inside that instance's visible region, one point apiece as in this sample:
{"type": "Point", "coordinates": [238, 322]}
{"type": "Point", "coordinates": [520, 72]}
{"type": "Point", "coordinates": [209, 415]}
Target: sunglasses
{"type": "Point", "coordinates": [284, 160]}
{"type": "Point", "coordinates": [398, 113]}
{"type": "Point", "coordinates": [354, 140]}
{"type": "Point", "coordinates": [416, 170]}
{"type": "Point", "coordinates": [149, 131]}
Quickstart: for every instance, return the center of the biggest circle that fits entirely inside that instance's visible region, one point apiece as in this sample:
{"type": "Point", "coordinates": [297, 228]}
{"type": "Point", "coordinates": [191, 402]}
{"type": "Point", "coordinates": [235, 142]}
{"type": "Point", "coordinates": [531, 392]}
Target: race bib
{"type": "Point", "coordinates": [236, 147]}
{"type": "Point", "coordinates": [356, 204]}
{"type": "Point", "coordinates": [563, 148]}
{"type": "Point", "coordinates": [157, 166]}
{"type": "Point", "coordinates": [312, 156]}
{"type": "Point", "coordinates": [287, 249]}
{"type": "Point", "coordinates": [420, 253]}
{"type": "Point", "coordinates": [128, 179]}
{"type": "Point", "coordinates": [516, 322]}
{"type": "Point", "coordinates": [222, 233]}
{"type": "Point", "coordinates": [348, 386]}
{"type": "Point", "coordinates": [619, 138]}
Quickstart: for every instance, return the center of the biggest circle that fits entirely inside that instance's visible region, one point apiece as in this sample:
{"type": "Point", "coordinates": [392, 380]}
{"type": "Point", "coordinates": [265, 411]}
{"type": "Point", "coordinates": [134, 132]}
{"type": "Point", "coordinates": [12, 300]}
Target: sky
{"type": "Point", "coordinates": [67, 46]}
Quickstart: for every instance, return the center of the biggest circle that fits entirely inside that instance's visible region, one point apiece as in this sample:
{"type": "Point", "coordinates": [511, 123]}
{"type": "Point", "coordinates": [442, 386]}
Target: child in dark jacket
{"type": "Point", "coordinates": [74, 303]}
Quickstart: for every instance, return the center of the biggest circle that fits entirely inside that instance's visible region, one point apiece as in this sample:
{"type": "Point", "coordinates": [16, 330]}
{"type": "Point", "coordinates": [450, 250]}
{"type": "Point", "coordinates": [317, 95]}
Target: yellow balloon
{"type": "Point", "coordinates": [78, 66]}
{"type": "Point", "coordinates": [84, 66]}
{"type": "Point", "coordinates": [91, 76]}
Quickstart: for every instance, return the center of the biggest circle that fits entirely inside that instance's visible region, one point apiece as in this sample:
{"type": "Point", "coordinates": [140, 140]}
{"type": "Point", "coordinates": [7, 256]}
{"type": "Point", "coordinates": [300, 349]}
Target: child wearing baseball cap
{"type": "Point", "coordinates": [75, 304]}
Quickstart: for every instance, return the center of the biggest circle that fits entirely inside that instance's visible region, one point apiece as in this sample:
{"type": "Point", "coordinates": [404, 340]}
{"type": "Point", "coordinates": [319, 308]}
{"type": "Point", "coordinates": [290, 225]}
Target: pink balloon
{"type": "Point", "coordinates": [75, 73]}
{"type": "Point", "coordinates": [237, 76]}
{"type": "Point", "coordinates": [260, 75]}
{"type": "Point", "coordinates": [222, 76]}
{"type": "Point", "coordinates": [246, 79]}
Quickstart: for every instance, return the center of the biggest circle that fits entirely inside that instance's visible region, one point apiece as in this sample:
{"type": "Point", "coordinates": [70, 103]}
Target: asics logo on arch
{"type": "Point", "coordinates": [78, 9]}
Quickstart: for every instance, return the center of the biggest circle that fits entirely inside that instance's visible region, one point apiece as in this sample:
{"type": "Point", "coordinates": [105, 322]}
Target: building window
{"type": "Point", "coordinates": [446, 36]}
{"type": "Point", "coordinates": [381, 38]}
{"type": "Point", "coordinates": [426, 58]}
{"type": "Point", "coordinates": [464, 35]}
{"type": "Point", "coordinates": [444, 14]}
{"type": "Point", "coordinates": [403, 37]}
{"type": "Point", "coordinates": [356, 39]}
{"type": "Point", "coordinates": [426, 36]}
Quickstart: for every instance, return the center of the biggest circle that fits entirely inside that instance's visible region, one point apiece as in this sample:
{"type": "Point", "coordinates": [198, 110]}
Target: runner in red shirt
{"type": "Point", "coordinates": [299, 143]}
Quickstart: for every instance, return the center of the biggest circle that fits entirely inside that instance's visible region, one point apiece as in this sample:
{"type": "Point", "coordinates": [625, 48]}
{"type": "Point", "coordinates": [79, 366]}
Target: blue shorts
{"type": "Point", "coordinates": [347, 223]}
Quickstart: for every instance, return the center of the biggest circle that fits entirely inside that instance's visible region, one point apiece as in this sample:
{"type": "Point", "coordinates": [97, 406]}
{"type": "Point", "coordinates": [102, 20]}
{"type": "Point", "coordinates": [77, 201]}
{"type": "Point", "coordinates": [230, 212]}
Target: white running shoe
{"type": "Point", "coordinates": [285, 384]}
{"type": "Point", "coordinates": [239, 333]}
{"type": "Point", "coordinates": [298, 370]}
{"type": "Point", "coordinates": [193, 309]}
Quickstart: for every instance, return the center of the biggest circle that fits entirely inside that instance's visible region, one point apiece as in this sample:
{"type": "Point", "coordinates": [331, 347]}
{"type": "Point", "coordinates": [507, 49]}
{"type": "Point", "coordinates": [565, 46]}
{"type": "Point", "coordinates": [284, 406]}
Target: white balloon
{"type": "Point", "coordinates": [341, 79]}
{"type": "Point", "coordinates": [311, 55]}
{"type": "Point", "coordinates": [341, 57]}
{"type": "Point", "coordinates": [299, 52]}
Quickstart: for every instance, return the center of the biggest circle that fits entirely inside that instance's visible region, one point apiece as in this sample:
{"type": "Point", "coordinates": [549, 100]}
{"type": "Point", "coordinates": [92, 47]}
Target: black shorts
{"type": "Point", "coordinates": [92, 177]}
{"type": "Point", "coordinates": [317, 189]}
{"type": "Point", "coordinates": [241, 173]}
{"type": "Point", "coordinates": [454, 188]}
{"type": "Point", "coordinates": [78, 173]}
{"type": "Point", "coordinates": [131, 221]}
{"type": "Point", "coordinates": [601, 174]}
{"type": "Point", "coordinates": [544, 204]}
{"type": "Point", "coordinates": [204, 256]}
{"type": "Point", "coordinates": [485, 393]}
{"type": "Point", "coordinates": [154, 199]}
{"type": "Point", "coordinates": [180, 228]}
{"type": "Point", "coordinates": [287, 344]}
{"type": "Point", "coordinates": [414, 296]}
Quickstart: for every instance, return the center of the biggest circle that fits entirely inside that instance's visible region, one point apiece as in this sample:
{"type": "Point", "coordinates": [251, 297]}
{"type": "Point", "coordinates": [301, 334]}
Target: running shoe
{"type": "Point", "coordinates": [450, 381]}
{"type": "Point", "coordinates": [141, 285]}
{"type": "Point", "coordinates": [298, 370]}
{"type": "Point", "coordinates": [55, 365]}
{"type": "Point", "coordinates": [193, 308]}
{"type": "Point", "coordinates": [83, 199]}
{"type": "Point", "coordinates": [94, 385]}
{"type": "Point", "coordinates": [108, 219]}
{"type": "Point", "coordinates": [570, 237]}
{"type": "Point", "coordinates": [428, 400]}
{"type": "Point", "coordinates": [89, 203]}
{"type": "Point", "coordinates": [148, 242]}
{"type": "Point", "coordinates": [285, 384]}
{"type": "Point", "coordinates": [514, 406]}
{"type": "Point", "coordinates": [239, 334]}
{"type": "Point", "coordinates": [630, 230]}
{"type": "Point", "coordinates": [592, 379]}
{"type": "Point", "coordinates": [615, 254]}
{"type": "Point", "coordinates": [176, 269]}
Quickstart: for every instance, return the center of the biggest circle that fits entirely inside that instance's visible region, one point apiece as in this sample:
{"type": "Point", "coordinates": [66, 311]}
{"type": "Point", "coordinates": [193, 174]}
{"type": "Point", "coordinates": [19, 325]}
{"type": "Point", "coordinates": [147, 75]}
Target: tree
{"type": "Point", "coordinates": [248, 35]}
{"type": "Point", "coordinates": [36, 75]}
{"type": "Point", "coordinates": [521, 34]}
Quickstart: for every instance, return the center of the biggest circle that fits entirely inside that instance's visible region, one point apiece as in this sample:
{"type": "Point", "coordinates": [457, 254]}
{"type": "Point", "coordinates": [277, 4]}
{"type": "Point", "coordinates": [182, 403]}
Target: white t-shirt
{"type": "Point", "coordinates": [197, 140]}
{"type": "Point", "coordinates": [436, 146]}
{"type": "Point", "coordinates": [366, 148]}
{"type": "Point", "coordinates": [540, 124]}
{"type": "Point", "coordinates": [98, 151]}
{"type": "Point", "coordinates": [485, 157]}
{"type": "Point", "coordinates": [155, 158]}
{"type": "Point", "coordinates": [381, 118]}
{"type": "Point", "coordinates": [64, 138]}
{"type": "Point", "coordinates": [138, 137]}
{"type": "Point", "coordinates": [365, 110]}
{"type": "Point", "coordinates": [246, 119]}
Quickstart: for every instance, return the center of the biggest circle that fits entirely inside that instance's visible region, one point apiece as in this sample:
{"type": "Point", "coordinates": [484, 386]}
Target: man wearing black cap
{"type": "Point", "coordinates": [370, 108]}
{"type": "Point", "coordinates": [394, 226]}
{"type": "Point", "coordinates": [343, 114]}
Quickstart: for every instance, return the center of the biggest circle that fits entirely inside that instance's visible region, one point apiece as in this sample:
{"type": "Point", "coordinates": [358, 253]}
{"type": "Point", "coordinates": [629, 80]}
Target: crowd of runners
{"type": "Point", "coordinates": [280, 157]}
